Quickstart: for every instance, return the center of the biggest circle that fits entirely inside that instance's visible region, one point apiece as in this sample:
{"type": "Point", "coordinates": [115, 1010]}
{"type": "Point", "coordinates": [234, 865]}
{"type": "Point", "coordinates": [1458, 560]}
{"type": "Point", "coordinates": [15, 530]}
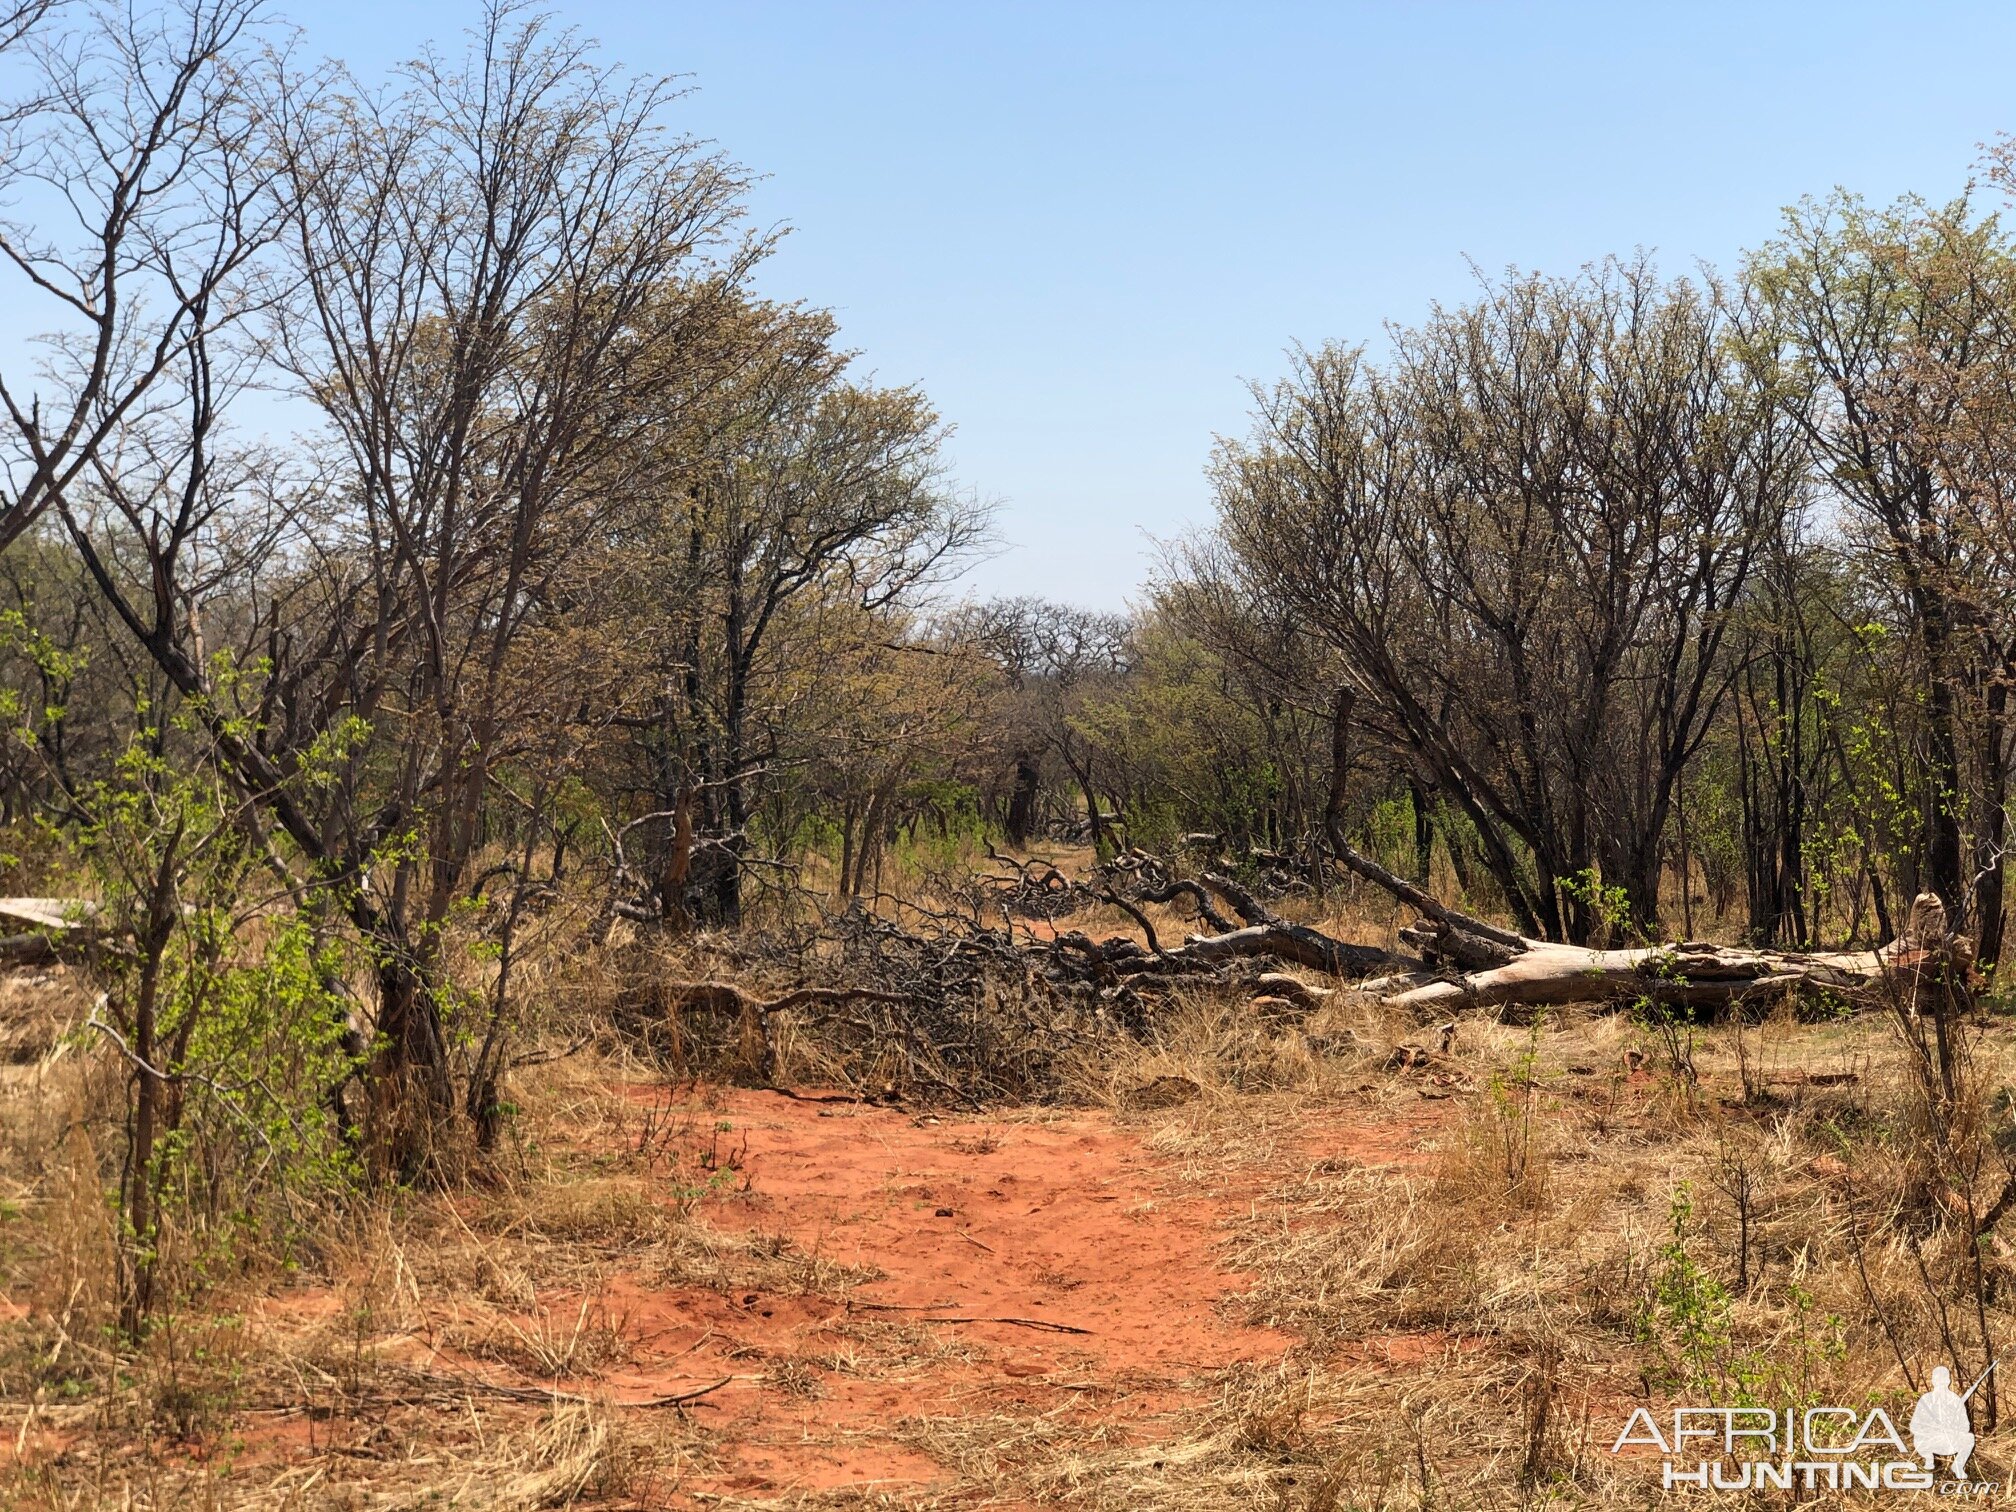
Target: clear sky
{"type": "Point", "coordinates": [1082, 227]}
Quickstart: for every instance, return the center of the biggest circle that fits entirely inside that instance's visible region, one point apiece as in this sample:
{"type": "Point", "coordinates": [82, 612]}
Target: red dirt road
{"type": "Point", "coordinates": [1064, 1224]}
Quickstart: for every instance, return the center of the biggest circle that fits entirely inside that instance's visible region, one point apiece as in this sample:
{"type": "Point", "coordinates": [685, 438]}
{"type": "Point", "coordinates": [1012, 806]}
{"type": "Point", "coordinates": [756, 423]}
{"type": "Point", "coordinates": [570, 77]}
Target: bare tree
{"type": "Point", "coordinates": [137, 144]}
{"type": "Point", "coordinates": [1056, 657]}
{"type": "Point", "coordinates": [795, 486]}
{"type": "Point", "coordinates": [19, 18]}
{"type": "Point", "coordinates": [1526, 540]}
{"type": "Point", "coordinates": [498, 278]}
{"type": "Point", "coordinates": [502, 275]}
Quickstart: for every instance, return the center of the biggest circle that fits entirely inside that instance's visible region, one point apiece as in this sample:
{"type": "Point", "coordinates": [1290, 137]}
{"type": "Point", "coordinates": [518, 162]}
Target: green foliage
{"type": "Point", "coordinates": [1685, 1316]}
{"type": "Point", "coordinates": [1201, 748]}
{"type": "Point", "coordinates": [1505, 1125]}
{"type": "Point", "coordinates": [944, 837]}
{"type": "Point", "coordinates": [1155, 823]}
{"type": "Point", "coordinates": [1686, 1319]}
{"type": "Point", "coordinates": [1609, 905]}
{"type": "Point", "coordinates": [225, 1008]}
{"type": "Point", "coordinates": [1390, 833]}
{"type": "Point", "coordinates": [262, 1151]}
{"type": "Point", "coordinates": [945, 814]}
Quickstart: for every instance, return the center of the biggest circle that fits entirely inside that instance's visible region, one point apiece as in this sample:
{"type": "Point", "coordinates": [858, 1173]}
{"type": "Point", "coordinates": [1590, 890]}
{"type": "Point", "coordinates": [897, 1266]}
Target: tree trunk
{"type": "Point", "coordinates": [1469, 963]}
{"type": "Point", "coordinates": [1691, 975]}
{"type": "Point", "coordinates": [1022, 799]}
{"type": "Point", "coordinates": [678, 867]}
{"type": "Point", "coordinates": [410, 1084]}
{"type": "Point", "coordinates": [1084, 776]}
{"type": "Point", "coordinates": [1990, 843]}
{"type": "Point", "coordinates": [1335, 804]}
{"type": "Point", "coordinates": [1943, 863]}
{"type": "Point", "coordinates": [141, 1241]}
{"type": "Point", "coordinates": [869, 849]}
{"type": "Point", "coordinates": [1424, 832]}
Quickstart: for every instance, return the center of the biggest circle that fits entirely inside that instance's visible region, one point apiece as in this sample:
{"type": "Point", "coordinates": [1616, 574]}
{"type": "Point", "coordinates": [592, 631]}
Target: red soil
{"type": "Point", "coordinates": [1025, 1269]}
{"type": "Point", "coordinates": [1062, 1223]}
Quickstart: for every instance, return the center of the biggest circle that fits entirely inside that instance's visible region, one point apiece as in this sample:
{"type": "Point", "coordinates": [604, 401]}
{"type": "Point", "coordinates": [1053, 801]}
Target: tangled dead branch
{"type": "Point", "coordinates": [951, 1004]}
{"type": "Point", "coordinates": [1033, 890]}
{"type": "Point", "coordinates": [754, 1016]}
{"type": "Point", "coordinates": [954, 1006]}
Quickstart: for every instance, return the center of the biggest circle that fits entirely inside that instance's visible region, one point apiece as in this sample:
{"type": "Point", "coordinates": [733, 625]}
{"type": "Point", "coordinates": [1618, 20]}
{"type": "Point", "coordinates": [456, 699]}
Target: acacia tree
{"type": "Point", "coordinates": [496, 279]}
{"type": "Point", "coordinates": [793, 486]}
{"type": "Point", "coordinates": [1525, 538]}
{"type": "Point", "coordinates": [1886, 327]}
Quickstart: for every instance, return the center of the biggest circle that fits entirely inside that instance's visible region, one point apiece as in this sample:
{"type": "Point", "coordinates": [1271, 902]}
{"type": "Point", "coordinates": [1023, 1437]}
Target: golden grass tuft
{"type": "Point", "coordinates": [607, 1210]}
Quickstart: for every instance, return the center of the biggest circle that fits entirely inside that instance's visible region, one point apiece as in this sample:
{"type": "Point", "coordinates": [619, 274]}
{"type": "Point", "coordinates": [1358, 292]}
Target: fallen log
{"type": "Point", "coordinates": [1194, 891]}
{"type": "Point", "coordinates": [1281, 941]}
{"type": "Point", "coordinates": [1267, 934]}
{"type": "Point", "coordinates": [60, 914]}
{"type": "Point", "coordinates": [1695, 977]}
{"type": "Point", "coordinates": [27, 949]}
{"type": "Point", "coordinates": [1294, 991]}
{"type": "Point", "coordinates": [1475, 965]}
{"type": "Point", "coordinates": [56, 927]}
{"type": "Point", "coordinates": [1261, 934]}
{"type": "Point", "coordinates": [1459, 947]}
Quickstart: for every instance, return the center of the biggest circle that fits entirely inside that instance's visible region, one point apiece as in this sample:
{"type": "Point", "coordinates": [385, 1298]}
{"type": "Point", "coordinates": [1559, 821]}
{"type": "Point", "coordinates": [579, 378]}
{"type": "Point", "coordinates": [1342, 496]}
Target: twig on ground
{"type": "Point", "coordinates": [1038, 1323]}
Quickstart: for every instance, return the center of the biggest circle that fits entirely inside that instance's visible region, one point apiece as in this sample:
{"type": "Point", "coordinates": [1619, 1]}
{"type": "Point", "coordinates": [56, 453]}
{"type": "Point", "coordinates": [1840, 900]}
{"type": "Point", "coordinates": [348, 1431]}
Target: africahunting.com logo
{"type": "Point", "coordinates": [1817, 1449]}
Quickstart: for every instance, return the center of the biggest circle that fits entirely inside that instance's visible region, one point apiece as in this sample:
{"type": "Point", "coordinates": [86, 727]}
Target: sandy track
{"type": "Point", "coordinates": [1067, 1223]}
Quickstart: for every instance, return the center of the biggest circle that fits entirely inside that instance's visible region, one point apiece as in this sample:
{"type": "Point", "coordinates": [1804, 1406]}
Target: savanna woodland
{"type": "Point", "coordinates": [556, 956]}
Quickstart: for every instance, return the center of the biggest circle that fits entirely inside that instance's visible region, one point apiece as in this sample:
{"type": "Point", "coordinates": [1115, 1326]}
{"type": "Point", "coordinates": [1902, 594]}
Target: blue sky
{"type": "Point", "coordinates": [1081, 227]}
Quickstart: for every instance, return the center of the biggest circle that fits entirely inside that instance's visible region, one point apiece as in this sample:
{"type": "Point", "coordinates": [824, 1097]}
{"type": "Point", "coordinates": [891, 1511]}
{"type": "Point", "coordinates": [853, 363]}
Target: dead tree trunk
{"type": "Point", "coordinates": [1470, 963]}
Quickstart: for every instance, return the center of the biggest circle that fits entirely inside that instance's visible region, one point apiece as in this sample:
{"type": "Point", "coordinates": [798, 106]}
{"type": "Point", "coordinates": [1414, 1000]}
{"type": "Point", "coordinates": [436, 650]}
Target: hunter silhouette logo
{"type": "Point", "coordinates": [1817, 1448]}
{"type": "Point", "coordinates": [1940, 1426]}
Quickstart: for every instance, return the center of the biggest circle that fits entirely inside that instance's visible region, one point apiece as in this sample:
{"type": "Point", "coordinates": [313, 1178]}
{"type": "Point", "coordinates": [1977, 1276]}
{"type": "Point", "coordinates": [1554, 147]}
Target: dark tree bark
{"type": "Point", "coordinates": [1991, 840]}
{"type": "Point", "coordinates": [1424, 831]}
{"type": "Point", "coordinates": [1021, 822]}
{"type": "Point", "coordinates": [1336, 806]}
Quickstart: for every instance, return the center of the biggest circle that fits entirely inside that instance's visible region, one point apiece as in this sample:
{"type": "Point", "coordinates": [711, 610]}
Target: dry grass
{"type": "Point", "coordinates": [378, 1349]}
{"type": "Point", "coordinates": [552, 1344]}
{"type": "Point", "coordinates": [1482, 1261]}
{"type": "Point", "coordinates": [1587, 1225]}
